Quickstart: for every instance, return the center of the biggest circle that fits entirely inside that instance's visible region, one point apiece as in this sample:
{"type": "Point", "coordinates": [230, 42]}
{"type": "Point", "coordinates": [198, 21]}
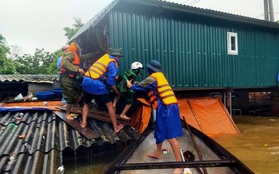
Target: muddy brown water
{"type": "Point", "coordinates": [257, 146]}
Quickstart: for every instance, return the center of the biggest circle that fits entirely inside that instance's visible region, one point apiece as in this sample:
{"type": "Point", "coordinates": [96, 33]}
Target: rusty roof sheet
{"type": "Point", "coordinates": [29, 78]}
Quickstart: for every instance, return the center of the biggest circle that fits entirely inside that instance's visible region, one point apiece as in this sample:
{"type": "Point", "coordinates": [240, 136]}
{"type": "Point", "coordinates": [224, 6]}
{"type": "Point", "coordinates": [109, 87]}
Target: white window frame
{"type": "Point", "coordinates": [232, 49]}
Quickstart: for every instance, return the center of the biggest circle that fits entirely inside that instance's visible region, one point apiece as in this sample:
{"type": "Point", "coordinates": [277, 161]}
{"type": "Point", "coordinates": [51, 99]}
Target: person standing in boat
{"type": "Point", "coordinates": [167, 125]}
{"type": "Point", "coordinates": [71, 75]}
{"type": "Point", "coordinates": [103, 72]}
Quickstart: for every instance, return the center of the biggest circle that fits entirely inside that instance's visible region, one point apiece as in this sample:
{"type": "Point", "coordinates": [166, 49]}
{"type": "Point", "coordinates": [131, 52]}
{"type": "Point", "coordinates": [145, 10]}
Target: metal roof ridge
{"type": "Point", "coordinates": [93, 21]}
{"type": "Point", "coordinates": [177, 7]}
{"type": "Point", "coordinates": [207, 12]}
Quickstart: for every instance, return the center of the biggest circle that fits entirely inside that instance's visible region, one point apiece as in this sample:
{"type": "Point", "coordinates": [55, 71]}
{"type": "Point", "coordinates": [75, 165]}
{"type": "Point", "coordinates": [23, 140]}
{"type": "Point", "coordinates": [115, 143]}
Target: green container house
{"type": "Point", "coordinates": [199, 49]}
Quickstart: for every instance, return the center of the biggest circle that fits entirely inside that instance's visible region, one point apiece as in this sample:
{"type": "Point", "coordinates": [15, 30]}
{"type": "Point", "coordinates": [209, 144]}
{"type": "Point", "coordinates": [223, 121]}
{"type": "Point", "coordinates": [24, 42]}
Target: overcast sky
{"type": "Point", "coordinates": [32, 24]}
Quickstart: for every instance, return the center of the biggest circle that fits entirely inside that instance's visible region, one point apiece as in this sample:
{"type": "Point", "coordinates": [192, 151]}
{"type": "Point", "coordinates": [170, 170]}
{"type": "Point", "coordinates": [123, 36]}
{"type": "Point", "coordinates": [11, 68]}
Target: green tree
{"type": "Point", "coordinates": [41, 62]}
{"type": "Point", "coordinates": [3, 48]}
{"type": "Point", "coordinates": [70, 31]}
{"type": "Point", "coordinates": [15, 51]}
{"type": "Point", "coordinates": [7, 65]}
{"type": "Point", "coordinates": [38, 63]}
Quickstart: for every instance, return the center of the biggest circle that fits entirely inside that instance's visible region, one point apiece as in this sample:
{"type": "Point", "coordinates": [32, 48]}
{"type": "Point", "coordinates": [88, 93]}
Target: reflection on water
{"type": "Point", "coordinates": [258, 145]}
{"type": "Point", "coordinates": [98, 166]}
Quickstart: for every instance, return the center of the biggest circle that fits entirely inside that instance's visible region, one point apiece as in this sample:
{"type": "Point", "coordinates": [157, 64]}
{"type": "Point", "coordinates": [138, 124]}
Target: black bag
{"type": "Point", "coordinates": [79, 78]}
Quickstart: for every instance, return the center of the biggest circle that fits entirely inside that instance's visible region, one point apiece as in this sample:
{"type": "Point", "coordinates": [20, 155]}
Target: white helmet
{"type": "Point", "coordinates": [136, 65]}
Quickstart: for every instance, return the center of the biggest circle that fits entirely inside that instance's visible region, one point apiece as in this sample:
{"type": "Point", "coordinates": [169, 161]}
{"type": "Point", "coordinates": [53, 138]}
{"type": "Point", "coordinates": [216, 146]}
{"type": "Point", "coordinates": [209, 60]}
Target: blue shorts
{"type": "Point", "coordinates": [92, 86]}
{"type": "Point", "coordinates": [103, 99]}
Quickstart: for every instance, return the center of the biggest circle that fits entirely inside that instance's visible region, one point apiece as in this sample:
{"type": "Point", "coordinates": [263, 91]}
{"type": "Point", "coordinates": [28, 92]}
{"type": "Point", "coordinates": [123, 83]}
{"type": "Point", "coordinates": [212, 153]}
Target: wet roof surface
{"type": "Point", "coordinates": [31, 136]}
{"type": "Point", "coordinates": [29, 78]}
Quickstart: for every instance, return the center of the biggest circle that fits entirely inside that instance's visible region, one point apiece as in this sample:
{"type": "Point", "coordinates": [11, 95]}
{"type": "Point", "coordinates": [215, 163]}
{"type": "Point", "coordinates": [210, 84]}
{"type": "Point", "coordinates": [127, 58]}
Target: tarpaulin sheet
{"type": "Point", "coordinates": [141, 116]}
{"type": "Point", "coordinates": [33, 105]}
{"type": "Point", "coordinates": [208, 115]}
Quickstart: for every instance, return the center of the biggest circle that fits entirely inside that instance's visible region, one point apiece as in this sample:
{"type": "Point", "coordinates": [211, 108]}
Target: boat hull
{"type": "Point", "coordinates": [209, 157]}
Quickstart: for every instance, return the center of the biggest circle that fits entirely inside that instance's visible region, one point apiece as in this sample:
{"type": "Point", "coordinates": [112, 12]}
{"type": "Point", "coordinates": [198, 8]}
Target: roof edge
{"type": "Point", "coordinates": [93, 21]}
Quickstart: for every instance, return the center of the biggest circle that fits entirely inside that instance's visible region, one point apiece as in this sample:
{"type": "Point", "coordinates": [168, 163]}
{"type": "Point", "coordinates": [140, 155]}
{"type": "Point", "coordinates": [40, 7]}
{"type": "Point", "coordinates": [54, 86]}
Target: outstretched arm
{"type": "Point", "coordinates": [145, 85]}
{"type": "Point", "coordinates": [87, 56]}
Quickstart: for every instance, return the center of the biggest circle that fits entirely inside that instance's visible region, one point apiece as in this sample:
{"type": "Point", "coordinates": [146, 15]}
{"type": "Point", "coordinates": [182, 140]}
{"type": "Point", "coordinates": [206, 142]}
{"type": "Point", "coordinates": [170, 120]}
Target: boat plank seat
{"type": "Point", "coordinates": [166, 165]}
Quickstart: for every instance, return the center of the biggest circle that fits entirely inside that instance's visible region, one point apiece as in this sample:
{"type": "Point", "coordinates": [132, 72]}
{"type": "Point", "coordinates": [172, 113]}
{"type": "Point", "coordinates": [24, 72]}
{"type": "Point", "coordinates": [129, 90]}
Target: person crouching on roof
{"type": "Point", "coordinates": [71, 76]}
{"type": "Point", "coordinates": [167, 125]}
{"type": "Point", "coordinates": [103, 72]}
{"type": "Point", "coordinates": [127, 93]}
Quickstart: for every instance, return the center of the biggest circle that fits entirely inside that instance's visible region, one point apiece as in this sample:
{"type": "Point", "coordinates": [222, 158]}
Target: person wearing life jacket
{"type": "Point", "coordinates": [101, 74]}
{"type": "Point", "coordinates": [168, 124]}
{"type": "Point", "coordinates": [71, 75]}
{"type": "Point", "coordinates": [59, 59]}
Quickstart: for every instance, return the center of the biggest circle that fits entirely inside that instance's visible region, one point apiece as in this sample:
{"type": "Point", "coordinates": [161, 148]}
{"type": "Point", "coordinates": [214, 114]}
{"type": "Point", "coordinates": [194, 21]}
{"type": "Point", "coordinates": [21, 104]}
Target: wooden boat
{"type": "Point", "coordinates": [202, 155]}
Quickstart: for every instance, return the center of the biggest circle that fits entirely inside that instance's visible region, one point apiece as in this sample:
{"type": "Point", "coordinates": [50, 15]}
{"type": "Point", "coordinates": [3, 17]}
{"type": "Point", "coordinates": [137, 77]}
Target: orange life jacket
{"type": "Point", "coordinates": [163, 88]}
{"type": "Point", "coordinates": [152, 99]}
{"type": "Point", "coordinates": [99, 68]}
{"type": "Point", "coordinates": [76, 61]}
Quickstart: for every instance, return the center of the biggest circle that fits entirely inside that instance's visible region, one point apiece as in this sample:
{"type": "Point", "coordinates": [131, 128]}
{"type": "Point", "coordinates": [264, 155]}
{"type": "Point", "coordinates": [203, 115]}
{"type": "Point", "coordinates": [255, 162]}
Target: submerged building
{"type": "Point", "coordinates": [202, 52]}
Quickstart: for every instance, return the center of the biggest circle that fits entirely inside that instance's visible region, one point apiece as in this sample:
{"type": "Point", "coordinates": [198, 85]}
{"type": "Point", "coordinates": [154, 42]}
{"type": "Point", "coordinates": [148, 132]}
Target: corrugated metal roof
{"type": "Point", "coordinates": [205, 12]}
{"type": "Point", "coordinates": [29, 78]}
{"type": "Point", "coordinates": [24, 163]}
{"type": "Point", "coordinates": [32, 139]}
{"type": "Point", "coordinates": [179, 8]}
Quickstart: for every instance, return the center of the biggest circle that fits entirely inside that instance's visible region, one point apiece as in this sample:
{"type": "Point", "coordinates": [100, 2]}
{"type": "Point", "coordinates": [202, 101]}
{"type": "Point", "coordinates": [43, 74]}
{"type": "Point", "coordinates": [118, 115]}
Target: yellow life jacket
{"type": "Point", "coordinates": [99, 68]}
{"type": "Point", "coordinates": [163, 88]}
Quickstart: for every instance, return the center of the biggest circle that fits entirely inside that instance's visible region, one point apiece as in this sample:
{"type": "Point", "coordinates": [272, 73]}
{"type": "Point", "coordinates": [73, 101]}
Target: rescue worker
{"type": "Point", "coordinates": [127, 93]}
{"type": "Point", "coordinates": [64, 48]}
{"type": "Point", "coordinates": [71, 75]}
{"type": "Point", "coordinates": [103, 72]}
{"type": "Point", "coordinates": [167, 125]}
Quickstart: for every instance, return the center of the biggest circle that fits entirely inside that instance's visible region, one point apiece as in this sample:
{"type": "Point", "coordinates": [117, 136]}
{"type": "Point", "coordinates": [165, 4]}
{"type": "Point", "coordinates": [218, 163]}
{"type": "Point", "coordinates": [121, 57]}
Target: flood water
{"type": "Point", "coordinates": [257, 146]}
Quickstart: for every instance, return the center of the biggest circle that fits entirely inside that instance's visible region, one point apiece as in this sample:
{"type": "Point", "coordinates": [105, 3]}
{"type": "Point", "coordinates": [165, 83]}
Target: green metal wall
{"type": "Point", "coordinates": [193, 53]}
